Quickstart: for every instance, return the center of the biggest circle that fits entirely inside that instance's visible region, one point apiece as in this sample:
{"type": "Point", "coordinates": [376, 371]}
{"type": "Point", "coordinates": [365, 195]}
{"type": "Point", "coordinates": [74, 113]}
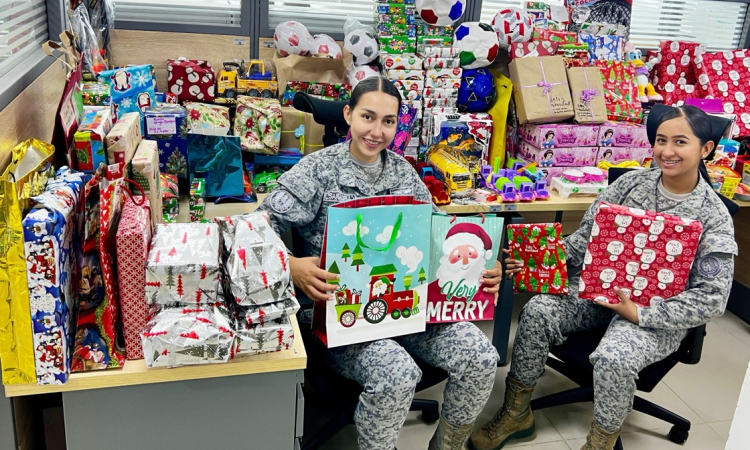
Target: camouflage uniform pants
{"type": "Point", "coordinates": [389, 376]}
{"type": "Point", "coordinates": [624, 350]}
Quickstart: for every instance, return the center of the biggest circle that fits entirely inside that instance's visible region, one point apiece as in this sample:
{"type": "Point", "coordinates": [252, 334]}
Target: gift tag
{"type": "Point", "coordinates": [161, 125]}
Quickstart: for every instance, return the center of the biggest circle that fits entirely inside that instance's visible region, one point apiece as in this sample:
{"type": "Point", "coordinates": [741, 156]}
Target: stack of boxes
{"type": "Point", "coordinates": [397, 33]}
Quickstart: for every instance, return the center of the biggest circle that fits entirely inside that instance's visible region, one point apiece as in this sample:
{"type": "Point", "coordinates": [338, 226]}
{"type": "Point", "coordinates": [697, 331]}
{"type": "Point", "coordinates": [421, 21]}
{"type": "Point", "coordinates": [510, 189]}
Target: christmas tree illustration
{"type": "Point", "coordinates": [357, 257]}
{"type": "Point", "coordinates": [422, 275]}
{"type": "Point", "coordinates": [545, 288]}
{"type": "Point", "coordinates": [534, 284]}
{"type": "Point", "coordinates": [545, 260]}
{"type": "Point", "coordinates": [334, 269]}
{"type": "Point", "coordinates": [557, 280]}
{"type": "Point", "coordinates": [170, 277]}
{"type": "Point", "coordinates": [176, 164]}
{"type": "Point", "coordinates": [407, 282]}
{"type": "Point", "coordinates": [345, 252]}
{"type": "Point", "coordinates": [180, 292]}
{"type": "Point", "coordinates": [531, 264]}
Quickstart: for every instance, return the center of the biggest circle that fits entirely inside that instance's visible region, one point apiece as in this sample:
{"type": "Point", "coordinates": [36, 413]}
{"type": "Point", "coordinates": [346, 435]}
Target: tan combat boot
{"type": "Point", "coordinates": [449, 436]}
{"type": "Point", "coordinates": [513, 420]}
{"type": "Point", "coordinates": [599, 439]}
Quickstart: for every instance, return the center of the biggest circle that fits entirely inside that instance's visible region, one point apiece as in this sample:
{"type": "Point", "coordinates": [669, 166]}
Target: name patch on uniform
{"type": "Point", "coordinates": [281, 200]}
{"type": "Point", "coordinates": [709, 266]}
{"type": "Point", "coordinates": [336, 197]}
{"type": "Point", "coordinates": [402, 191]}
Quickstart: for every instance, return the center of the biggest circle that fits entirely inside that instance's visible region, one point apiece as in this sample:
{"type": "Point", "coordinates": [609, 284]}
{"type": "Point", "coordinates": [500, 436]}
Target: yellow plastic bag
{"type": "Point", "coordinates": [499, 113]}
{"type": "Point", "coordinates": [26, 176]}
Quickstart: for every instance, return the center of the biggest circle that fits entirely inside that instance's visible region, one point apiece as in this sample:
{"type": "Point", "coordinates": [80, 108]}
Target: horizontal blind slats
{"type": "Point", "coordinates": [187, 12]}
{"type": "Point", "coordinates": [23, 27]}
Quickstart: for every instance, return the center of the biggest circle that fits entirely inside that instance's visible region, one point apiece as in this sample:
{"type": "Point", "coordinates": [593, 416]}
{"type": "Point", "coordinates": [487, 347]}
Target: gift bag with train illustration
{"type": "Point", "coordinates": [379, 249]}
{"type": "Point", "coordinates": [462, 248]}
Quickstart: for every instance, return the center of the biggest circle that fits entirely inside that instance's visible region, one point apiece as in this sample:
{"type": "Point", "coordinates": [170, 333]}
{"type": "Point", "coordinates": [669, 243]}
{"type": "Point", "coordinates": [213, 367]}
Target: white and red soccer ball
{"type": "Point", "coordinates": [325, 46]}
{"type": "Point", "coordinates": [440, 12]}
{"type": "Point", "coordinates": [512, 25]}
{"type": "Point", "coordinates": [359, 73]}
{"type": "Point", "coordinates": [292, 38]}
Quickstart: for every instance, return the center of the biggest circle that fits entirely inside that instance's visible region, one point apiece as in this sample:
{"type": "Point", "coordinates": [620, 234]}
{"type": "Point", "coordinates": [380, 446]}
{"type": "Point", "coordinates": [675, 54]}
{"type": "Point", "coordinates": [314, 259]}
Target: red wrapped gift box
{"type": "Point", "coordinates": [541, 247]}
{"type": "Point", "coordinates": [726, 76]}
{"type": "Point", "coordinates": [620, 91]}
{"type": "Point", "coordinates": [676, 63]}
{"type": "Point", "coordinates": [646, 254]}
{"type": "Point", "coordinates": [190, 80]}
{"type": "Point", "coordinates": [676, 94]}
{"type": "Point", "coordinates": [533, 48]}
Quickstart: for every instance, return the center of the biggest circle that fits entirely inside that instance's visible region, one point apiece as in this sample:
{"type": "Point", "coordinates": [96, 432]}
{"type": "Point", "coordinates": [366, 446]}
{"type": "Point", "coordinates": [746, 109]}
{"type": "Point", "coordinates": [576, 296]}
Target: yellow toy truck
{"type": "Point", "coordinates": [254, 79]}
{"type": "Point", "coordinates": [452, 168]}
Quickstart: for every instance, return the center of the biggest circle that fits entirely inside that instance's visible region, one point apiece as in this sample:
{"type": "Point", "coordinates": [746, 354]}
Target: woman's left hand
{"type": "Point", "coordinates": [492, 279]}
{"type": "Point", "coordinates": [626, 308]}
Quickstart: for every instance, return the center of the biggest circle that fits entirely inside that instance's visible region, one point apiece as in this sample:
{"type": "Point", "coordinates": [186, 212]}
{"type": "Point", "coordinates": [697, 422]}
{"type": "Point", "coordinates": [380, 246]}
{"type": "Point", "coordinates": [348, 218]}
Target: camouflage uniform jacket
{"type": "Point", "coordinates": [712, 272]}
{"type": "Point", "coordinates": [327, 177]}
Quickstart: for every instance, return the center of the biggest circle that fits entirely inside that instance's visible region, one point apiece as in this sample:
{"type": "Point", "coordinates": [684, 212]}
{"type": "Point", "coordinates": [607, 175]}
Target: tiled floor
{"type": "Point", "coordinates": [705, 393]}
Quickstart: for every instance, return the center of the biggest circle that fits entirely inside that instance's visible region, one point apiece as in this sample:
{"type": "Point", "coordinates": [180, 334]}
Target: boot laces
{"type": "Point", "coordinates": [497, 422]}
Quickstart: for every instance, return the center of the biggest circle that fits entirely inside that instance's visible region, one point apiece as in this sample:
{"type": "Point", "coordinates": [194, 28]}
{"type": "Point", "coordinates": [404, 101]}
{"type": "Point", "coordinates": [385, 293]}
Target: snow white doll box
{"type": "Point", "coordinates": [541, 248]}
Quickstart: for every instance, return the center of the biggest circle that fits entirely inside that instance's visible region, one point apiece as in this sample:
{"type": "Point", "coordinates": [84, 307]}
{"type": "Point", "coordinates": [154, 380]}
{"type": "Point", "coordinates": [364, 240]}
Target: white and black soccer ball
{"type": "Point", "coordinates": [512, 25]}
{"type": "Point", "coordinates": [363, 46]}
{"type": "Point", "coordinates": [292, 38]}
{"type": "Point", "coordinates": [325, 46]}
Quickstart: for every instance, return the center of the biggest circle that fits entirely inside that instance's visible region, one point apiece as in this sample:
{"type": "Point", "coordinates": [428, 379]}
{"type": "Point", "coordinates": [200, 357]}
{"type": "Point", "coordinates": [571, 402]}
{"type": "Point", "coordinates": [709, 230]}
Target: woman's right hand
{"type": "Point", "coordinates": [313, 280]}
{"type": "Point", "coordinates": [512, 266]}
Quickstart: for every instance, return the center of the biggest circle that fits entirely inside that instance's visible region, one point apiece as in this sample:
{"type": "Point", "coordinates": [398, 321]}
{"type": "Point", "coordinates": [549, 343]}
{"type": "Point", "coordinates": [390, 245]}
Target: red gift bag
{"type": "Point", "coordinates": [190, 80]}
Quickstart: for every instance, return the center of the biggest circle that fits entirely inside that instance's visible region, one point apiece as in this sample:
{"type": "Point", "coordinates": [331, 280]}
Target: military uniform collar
{"type": "Point", "coordinates": [689, 208]}
{"type": "Point", "coordinates": [349, 173]}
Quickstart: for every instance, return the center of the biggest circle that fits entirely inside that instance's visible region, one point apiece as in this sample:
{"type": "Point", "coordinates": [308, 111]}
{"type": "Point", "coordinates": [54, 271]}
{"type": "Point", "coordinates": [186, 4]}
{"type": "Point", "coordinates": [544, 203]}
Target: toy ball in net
{"type": "Point", "coordinates": [512, 25]}
{"type": "Point", "coordinates": [440, 12]}
{"type": "Point", "coordinates": [325, 46]}
{"type": "Point", "coordinates": [292, 38]}
{"type": "Point", "coordinates": [476, 44]}
{"type": "Point", "coordinates": [359, 73]}
{"type": "Point", "coordinates": [477, 91]}
{"type": "Point", "coordinates": [363, 46]}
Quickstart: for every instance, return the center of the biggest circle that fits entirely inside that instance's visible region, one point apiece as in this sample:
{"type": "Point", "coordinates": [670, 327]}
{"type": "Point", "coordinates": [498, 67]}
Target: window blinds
{"type": "Point", "coordinates": [225, 13]}
{"type": "Point", "coordinates": [320, 16]}
{"type": "Point", "coordinates": [23, 28]}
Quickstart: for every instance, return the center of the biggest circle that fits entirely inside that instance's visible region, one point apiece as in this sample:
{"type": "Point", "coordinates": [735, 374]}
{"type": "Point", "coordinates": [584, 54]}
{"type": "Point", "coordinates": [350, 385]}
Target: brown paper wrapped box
{"type": "Point", "coordinates": [540, 89]}
{"type": "Point", "coordinates": [291, 120]}
{"type": "Point", "coordinates": [588, 94]}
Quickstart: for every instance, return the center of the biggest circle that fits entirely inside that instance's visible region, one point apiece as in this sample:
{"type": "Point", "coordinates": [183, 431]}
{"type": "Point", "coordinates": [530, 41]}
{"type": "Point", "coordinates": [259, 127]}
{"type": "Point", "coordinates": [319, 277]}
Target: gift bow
{"type": "Point", "coordinates": [587, 95]}
{"type": "Point", "coordinates": [547, 86]}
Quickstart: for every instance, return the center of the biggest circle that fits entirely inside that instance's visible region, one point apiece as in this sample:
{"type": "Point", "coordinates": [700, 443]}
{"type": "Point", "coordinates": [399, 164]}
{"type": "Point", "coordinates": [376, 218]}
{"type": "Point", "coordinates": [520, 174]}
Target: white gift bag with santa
{"type": "Point", "coordinates": [461, 249]}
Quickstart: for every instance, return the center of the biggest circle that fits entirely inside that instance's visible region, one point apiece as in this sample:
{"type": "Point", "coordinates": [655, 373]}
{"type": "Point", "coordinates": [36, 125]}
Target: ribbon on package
{"type": "Point", "coordinates": [588, 94]}
{"type": "Point", "coordinates": [547, 87]}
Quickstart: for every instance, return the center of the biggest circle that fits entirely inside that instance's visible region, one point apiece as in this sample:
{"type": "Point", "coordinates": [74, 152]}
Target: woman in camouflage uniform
{"type": "Point", "coordinates": [636, 336]}
{"type": "Point", "coordinates": [385, 369]}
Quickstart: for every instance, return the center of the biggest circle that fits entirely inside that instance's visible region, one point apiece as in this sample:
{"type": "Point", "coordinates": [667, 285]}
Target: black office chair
{"type": "Point", "coordinates": [328, 113]}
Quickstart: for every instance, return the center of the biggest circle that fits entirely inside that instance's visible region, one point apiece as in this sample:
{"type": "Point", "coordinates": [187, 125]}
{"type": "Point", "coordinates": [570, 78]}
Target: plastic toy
{"type": "Point", "coordinates": [477, 91]}
{"type": "Point", "coordinates": [646, 91]}
{"type": "Point", "coordinates": [452, 169]}
{"type": "Point", "coordinates": [255, 79]}
{"type": "Point", "coordinates": [520, 183]}
{"type": "Point", "coordinates": [586, 180]}
{"type": "Point", "coordinates": [440, 195]}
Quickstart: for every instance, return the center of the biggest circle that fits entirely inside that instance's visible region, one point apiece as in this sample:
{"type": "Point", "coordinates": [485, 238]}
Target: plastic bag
{"type": "Point", "coordinates": [86, 43]}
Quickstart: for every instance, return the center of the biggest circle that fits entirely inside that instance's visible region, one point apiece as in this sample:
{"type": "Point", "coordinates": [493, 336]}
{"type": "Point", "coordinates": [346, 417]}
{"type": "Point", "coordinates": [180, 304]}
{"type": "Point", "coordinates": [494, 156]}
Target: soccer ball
{"type": "Point", "coordinates": [477, 91]}
{"type": "Point", "coordinates": [359, 73]}
{"type": "Point", "coordinates": [476, 44]}
{"type": "Point", "coordinates": [363, 46]}
{"type": "Point", "coordinates": [440, 12]}
{"type": "Point", "coordinates": [292, 38]}
{"type": "Point", "coordinates": [325, 46]}
{"type": "Point", "coordinates": [512, 25]}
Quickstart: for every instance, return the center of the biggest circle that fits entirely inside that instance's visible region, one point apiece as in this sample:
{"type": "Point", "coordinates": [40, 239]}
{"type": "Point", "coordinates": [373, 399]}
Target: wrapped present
{"type": "Point", "coordinates": [260, 314]}
{"type": "Point", "coordinates": [436, 51]}
{"type": "Point", "coordinates": [725, 76]}
{"type": "Point", "coordinates": [677, 94]}
{"type": "Point", "coordinates": [402, 19]}
{"type": "Point", "coordinates": [443, 41]}
{"type": "Point", "coordinates": [451, 93]}
{"type": "Point", "coordinates": [618, 134]}
{"type": "Point", "coordinates": [617, 155]}
{"type": "Point", "coordinates": [208, 119]}
{"type": "Point", "coordinates": [397, 44]}
{"type": "Point", "coordinates": [441, 63]}
{"type": "Point", "coordinates": [167, 125]}
{"type": "Point", "coordinates": [577, 50]}
{"type": "Point", "coordinates": [132, 241]}
{"type": "Point", "coordinates": [676, 63]}
{"type": "Point", "coordinates": [409, 85]}
{"type": "Point", "coordinates": [183, 264]}
{"type": "Point", "coordinates": [533, 48]}
{"type": "Point", "coordinates": [588, 95]}
{"type": "Point", "coordinates": [300, 131]}
{"type": "Point", "coordinates": [131, 88]}
{"type": "Point", "coordinates": [425, 29]}
{"type": "Point", "coordinates": [556, 16]}
{"type": "Point", "coordinates": [646, 254]}
{"type": "Point", "coordinates": [620, 91]}
{"type": "Point", "coordinates": [95, 94]}
{"type": "Point", "coordinates": [197, 199]}
{"type": "Point", "coordinates": [50, 235]}
{"type": "Point", "coordinates": [217, 159]}
{"type": "Point", "coordinates": [560, 135]}
{"type": "Point", "coordinates": [436, 73]}
{"type": "Point", "coordinates": [190, 80]}
{"type": "Point", "coordinates": [394, 8]}
{"type": "Point", "coordinates": [604, 48]}
{"type": "Point", "coordinates": [258, 124]}
{"type": "Point", "coordinates": [542, 249]}
{"type": "Point", "coordinates": [397, 29]}
{"type": "Point", "coordinates": [398, 74]}
{"type": "Point", "coordinates": [549, 157]}
{"type": "Point", "coordinates": [604, 29]}
{"type": "Point", "coordinates": [271, 336]}
{"type": "Point", "coordinates": [446, 82]}
{"type": "Point", "coordinates": [90, 140]}
{"type": "Point", "coordinates": [144, 170]}
{"type": "Point", "coordinates": [556, 36]}
{"type": "Point", "coordinates": [170, 197]}
{"type": "Point", "coordinates": [181, 336]}
{"type": "Point", "coordinates": [324, 91]}
{"type": "Point", "coordinates": [576, 62]}
{"type": "Point", "coordinates": [540, 88]}
{"type": "Point", "coordinates": [407, 117]}
{"type": "Point", "coordinates": [123, 139]}
{"type": "Point", "coordinates": [402, 62]}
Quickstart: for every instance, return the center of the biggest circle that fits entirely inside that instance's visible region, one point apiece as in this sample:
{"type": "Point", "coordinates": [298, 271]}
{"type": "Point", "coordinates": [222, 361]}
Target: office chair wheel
{"type": "Point", "coordinates": [430, 416]}
{"type": "Point", "coordinates": [678, 435]}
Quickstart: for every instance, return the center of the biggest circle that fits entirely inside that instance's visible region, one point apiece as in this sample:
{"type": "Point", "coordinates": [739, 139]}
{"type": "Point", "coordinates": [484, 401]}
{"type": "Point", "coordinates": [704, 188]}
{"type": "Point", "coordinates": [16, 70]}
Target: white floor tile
{"type": "Point", "coordinates": [721, 428]}
{"type": "Point", "coordinates": [736, 326]}
{"type": "Point", "coordinates": [702, 437]}
{"type": "Point", "coordinates": [663, 396]}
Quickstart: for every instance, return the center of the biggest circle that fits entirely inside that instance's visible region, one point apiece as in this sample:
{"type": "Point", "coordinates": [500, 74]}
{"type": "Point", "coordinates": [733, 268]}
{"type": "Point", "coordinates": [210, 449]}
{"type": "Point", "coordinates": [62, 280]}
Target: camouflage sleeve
{"type": "Point", "coordinates": [297, 199]}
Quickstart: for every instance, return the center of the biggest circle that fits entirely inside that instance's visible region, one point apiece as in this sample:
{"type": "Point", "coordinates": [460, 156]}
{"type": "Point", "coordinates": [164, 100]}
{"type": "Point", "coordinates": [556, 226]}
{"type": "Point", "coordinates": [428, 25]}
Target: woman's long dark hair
{"type": "Point", "coordinates": [374, 84]}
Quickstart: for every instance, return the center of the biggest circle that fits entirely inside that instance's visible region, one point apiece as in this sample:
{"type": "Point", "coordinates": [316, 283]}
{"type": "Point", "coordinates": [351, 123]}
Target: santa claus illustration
{"type": "Point", "coordinates": [466, 250]}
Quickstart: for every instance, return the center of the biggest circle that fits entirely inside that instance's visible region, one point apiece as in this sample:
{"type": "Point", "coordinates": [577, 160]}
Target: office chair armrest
{"type": "Point", "coordinates": [692, 346]}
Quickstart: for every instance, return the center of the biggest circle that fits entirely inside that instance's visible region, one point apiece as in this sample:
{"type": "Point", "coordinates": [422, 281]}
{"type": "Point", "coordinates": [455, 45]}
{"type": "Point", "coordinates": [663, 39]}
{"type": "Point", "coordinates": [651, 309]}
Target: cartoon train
{"type": "Point", "coordinates": [382, 300]}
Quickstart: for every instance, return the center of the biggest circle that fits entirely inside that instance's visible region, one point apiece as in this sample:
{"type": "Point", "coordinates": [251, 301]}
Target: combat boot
{"type": "Point", "coordinates": [599, 439]}
{"type": "Point", "coordinates": [513, 420]}
{"type": "Point", "coordinates": [449, 436]}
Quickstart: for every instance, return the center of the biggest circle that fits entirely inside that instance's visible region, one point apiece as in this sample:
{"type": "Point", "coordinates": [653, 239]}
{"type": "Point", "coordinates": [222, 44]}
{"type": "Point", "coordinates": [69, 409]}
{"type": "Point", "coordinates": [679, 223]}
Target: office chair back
{"type": "Point", "coordinates": [328, 113]}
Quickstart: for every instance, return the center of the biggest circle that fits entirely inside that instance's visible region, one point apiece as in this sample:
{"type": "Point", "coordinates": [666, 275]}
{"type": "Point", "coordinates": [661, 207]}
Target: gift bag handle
{"type": "Point", "coordinates": [130, 194]}
{"type": "Point", "coordinates": [394, 234]}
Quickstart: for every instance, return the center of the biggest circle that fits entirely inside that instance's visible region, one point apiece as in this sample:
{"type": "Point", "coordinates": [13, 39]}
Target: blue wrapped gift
{"type": "Point", "coordinates": [131, 88]}
{"type": "Point", "coordinates": [167, 125]}
{"type": "Point", "coordinates": [605, 48]}
{"type": "Point", "coordinates": [51, 239]}
{"type": "Point", "coordinates": [218, 160]}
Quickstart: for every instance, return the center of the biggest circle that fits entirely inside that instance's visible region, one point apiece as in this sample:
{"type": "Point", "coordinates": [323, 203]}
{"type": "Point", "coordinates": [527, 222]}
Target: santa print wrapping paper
{"type": "Point", "coordinates": [726, 76]}
{"type": "Point", "coordinates": [461, 248]}
{"type": "Point", "coordinates": [541, 248]}
{"type": "Point", "coordinates": [183, 264]}
{"type": "Point", "coordinates": [133, 239]}
{"type": "Point", "coordinates": [646, 254]}
{"type": "Point", "coordinates": [620, 91]}
{"type": "Point", "coordinates": [190, 80]}
{"type": "Point", "coordinates": [51, 233]}
{"type": "Point", "coordinates": [676, 63]}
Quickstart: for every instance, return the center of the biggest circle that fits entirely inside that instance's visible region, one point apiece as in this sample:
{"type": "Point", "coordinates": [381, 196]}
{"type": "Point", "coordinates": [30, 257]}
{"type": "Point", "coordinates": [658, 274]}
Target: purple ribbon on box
{"type": "Point", "coordinates": [546, 85]}
{"type": "Point", "coordinates": [588, 94]}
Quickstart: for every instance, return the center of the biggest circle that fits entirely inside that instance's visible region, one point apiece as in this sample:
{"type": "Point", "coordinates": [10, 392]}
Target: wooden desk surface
{"type": "Point", "coordinates": [135, 372]}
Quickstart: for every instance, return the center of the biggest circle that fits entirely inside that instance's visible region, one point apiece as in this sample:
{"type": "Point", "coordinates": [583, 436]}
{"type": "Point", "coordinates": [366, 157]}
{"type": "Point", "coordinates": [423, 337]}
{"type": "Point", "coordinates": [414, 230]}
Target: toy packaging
{"type": "Point", "coordinates": [620, 91]}
{"type": "Point", "coordinates": [325, 91]}
{"type": "Point", "coordinates": [578, 180]}
{"type": "Point", "coordinates": [397, 44]}
{"type": "Point", "coordinates": [617, 155]}
{"type": "Point", "coordinates": [588, 95]}
{"type": "Point", "coordinates": [404, 129]}
{"type": "Point", "coordinates": [401, 62]}
{"type": "Point", "coordinates": [619, 134]}
{"type": "Point", "coordinates": [144, 170]}
{"type": "Point", "coordinates": [441, 63]}
{"type": "Point", "coordinates": [603, 48]}
{"type": "Point", "coordinates": [468, 133]}
{"type": "Point", "coordinates": [400, 19]}
{"type": "Point", "coordinates": [197, 199]}
{"type": "Point", "coordinates": [540, 89]}
{"type": "Point", "coordinates": [648, 255]}
{"type": "Point", "coordinates": [90, 140]}
{"type": "Point", "coordinates": [410, 74]}
{"type": "Point", "coordinates": [572, 157]}
{"type": "Point", "coordinates": [218, 160]}
{"type": "Point", "coordinates": [167, 125]}
{"type": "Point", "coordinates": [435, 51]}
{"type": "Point", "coordinates": [542, 249]}
{"type": "Point", "coordinates": [50, 235]}
{"type": "Point", "coordinates": [123, 139]}
{"type": "Point", "coordinates": [208, 119]}
{"type": "Point", "coordinates": [396, 29]}
{"type": "Point", "coordinates": [560, 135]}
{"type": "Point", "coordinates": [170, 198]}
{"type": "Point", "coordinates": [95, 94]}
{"type": "Point", "coordinates": [190, 80]}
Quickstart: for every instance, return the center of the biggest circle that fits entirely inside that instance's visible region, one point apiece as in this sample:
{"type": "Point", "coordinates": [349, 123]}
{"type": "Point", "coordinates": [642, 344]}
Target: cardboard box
{"type": "Point", "coordinates": [144, 170]}
{"type": "Point", "coordinates": [299, 130]}
{"type": "Point", "coordinates": [90, 140]}
{"type": "Point", "coordinates": [123, 139]}
{"type": "Point", "coordinates": [623, 134]}
{"type": "Point", "coordinates": [588, 95]}
{"type": "Point", "coordinates": [556, 135]}
{"type": "Point", "coordinates": [549, 157]}
{"type": "Point", "coordinates": [616, 155]}
{"type": "Point", "coordinates": [540, 89]}
{"type": "Point", "coordinates": [197, 199]}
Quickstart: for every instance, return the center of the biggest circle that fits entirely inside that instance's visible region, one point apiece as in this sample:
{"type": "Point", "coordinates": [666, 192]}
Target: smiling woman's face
{"type": "Point", "coordinates": [676, 149]}
{"type": "Point", "coordinates": [372, 123]}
